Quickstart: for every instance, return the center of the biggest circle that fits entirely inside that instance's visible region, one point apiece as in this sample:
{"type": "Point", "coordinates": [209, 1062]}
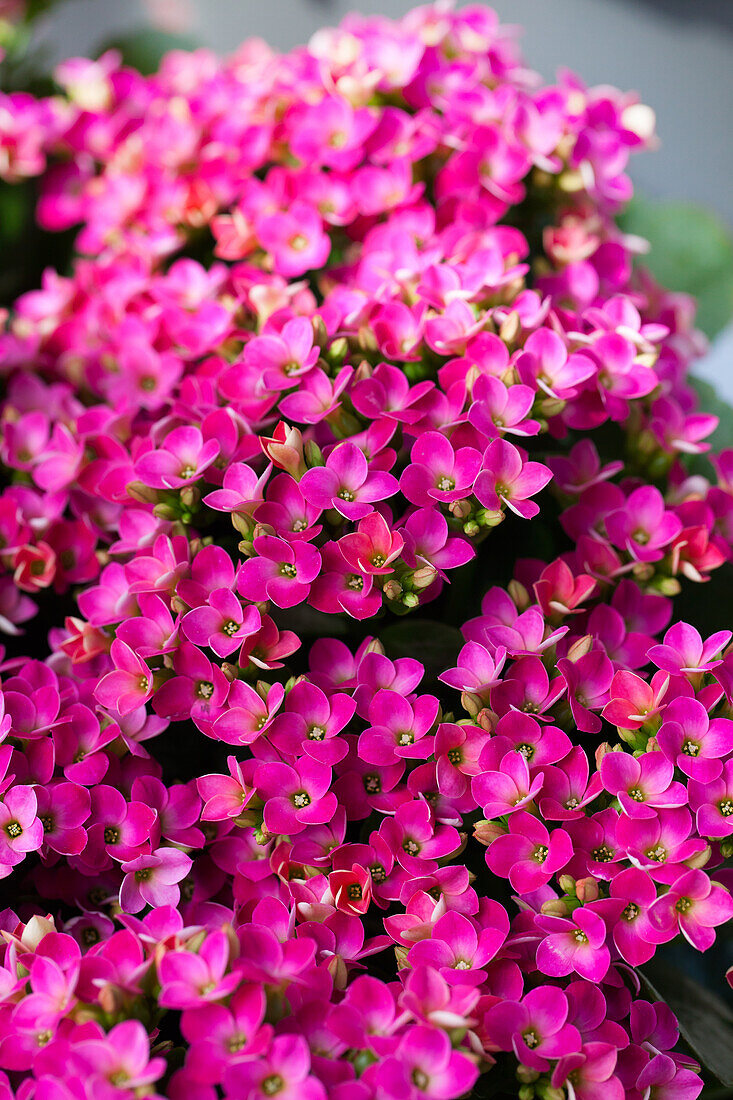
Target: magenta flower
{"type": "Point", "coordinates": [634, 935]}
{"type": "Point", "coordinates": [576, 944]}
{"type": "Point", "coordinates": [152, 879]}
{"type": "Point", "coordinates": [684, 652]}
{"type": "Point", "coordinates": [282, 571]}
{"type": "Point", "coordinates": [713, 803]}
{"type": "Point", "coordinates": [399, 728]}
{"type": "Point", "coordinates": [590, 1072]}
{"type": "Point", "coordinates": [131, 683]}
{"type": "Point", "coordinates": [694, 742]}
{"type": "Point", "coordinates": [342, 587]}
{"type": "Point", "coordinates": [643, 783]}
{"type": "Point", "coordinates": [424, 1065]}
{"type": "Point", "coordinates": [198, 689]}
{"type": "Point", "coordinates": [508, 787]}
{"type": "Point", "coordinates": [295, 797]}
{"type": "Point", "coordinates": [310, 722]}
{"type": "Point", "coordinates": [498, 410]}
{"type": "Point", "coordinates": [222, 623]}
{"type": "Point", "coordinates": [477, 672]}
{"type": "Point", "coordinates": [122, 1056]}
{"type": "Point", "coordinates": [295, 239]}
{"type": "Point", "coordinates": [63, 809]}
{"type": "Point", "coordinates": [693, 906]}
{"type": "Point", "coordinates": [528, 854]}
{"type": "Point", "coordinates": [643, 527]}
{"type": "Point", "coordinates": [117, 828]}
{"type": "Point", "coordinates": [249, 713]}
{"type": "Point", "coordinates": [508, 479]}
{"type": "Point", "coordinates": [535, 1028]}
{"type": "Point", "coordinates": [282, 358]}
{"type": "Point", "coordinates": [346, 483]}
{"type": "Point", "coordinates": [588, 681]}
{"type": "Point", "coordinates": [188, 980]}
{"type": "Point", "coordinates": [21, 830]}
{"type": "Point", "coordinates": [183, 458]}
{"type": "Point", "coordinates": [284, 1071]}
{"type": "Point", "coordinates": [458, 949]}
{"type": "Point", "coordinates": [437, 472]}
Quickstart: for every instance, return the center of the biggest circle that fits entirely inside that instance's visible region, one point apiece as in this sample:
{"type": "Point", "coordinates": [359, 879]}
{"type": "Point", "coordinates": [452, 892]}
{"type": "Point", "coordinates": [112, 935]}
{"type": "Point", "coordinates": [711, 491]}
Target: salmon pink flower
{"type": "Point", "coordinates": [373, 546]}
{"type": "Point", "coordinates": [633, 702]}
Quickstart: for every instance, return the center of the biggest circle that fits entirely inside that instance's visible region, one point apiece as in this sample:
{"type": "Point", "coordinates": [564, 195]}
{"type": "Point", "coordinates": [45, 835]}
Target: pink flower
{"type": "Point", "coordinates": [183, 458]}
{"type": "Point", "coordinates": [188, 980]}
{"type": "Point", "coordinates": [713, 803]}
{"type": "Point", "coordinates": [684, 652]}
{"type": "Point", "coordinates": [373, 546]}
{"type": "Point", "coordinates": [346, 483]}
{"type": "Point", "coordinates": [694, 906]}
{"type": "Point", "coordinates": [248, 714]}
{"type": "Point", "coordinates": [438, 473]}
{"type": "Point", "coordinates": [282, 571]}
{"type": "Point", "coordinates": [576, 944]}
{"type": "Point", "coordinates": [282, 358]}
{"type": "Point", "coordinates": [536, 1028]}
{"type": "Point", "coordinates": [694, 742]}
{"type": "Point", "coordinates": [222, 623]}
{"type": "Point", "coordinates": [424, 1065]}
{"type": "Point", "coordinates": [528, 854]}
{"type": "Point", "coordinates": [284, 1071]}
{"type": "Point", "coordinates": [633, 701]}
{"type": "Point", "coordinates": [295, 797]}
{"type": "Point", "coordinates": [643, 527]}
{"type": "Point", "coordinates": [122, 1056]}
{"type": "Point", "coordinates": [507, 479]}
{"type": "Point", "coordinates": [459, 949]}
{"type": "Point", "coordinates": [131, 683]}
{"type": "Point", "coordinates": [21, 830]}
{"type": "Point", "coordinates": [643, 783]}
{"type": "Point", "coordinates": [152, 879]}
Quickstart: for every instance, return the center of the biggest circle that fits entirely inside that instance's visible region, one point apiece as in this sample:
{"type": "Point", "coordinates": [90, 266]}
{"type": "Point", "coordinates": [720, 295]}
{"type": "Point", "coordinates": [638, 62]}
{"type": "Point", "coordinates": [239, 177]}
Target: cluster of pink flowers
{"type": "Point", "coordinates": [334, 317]}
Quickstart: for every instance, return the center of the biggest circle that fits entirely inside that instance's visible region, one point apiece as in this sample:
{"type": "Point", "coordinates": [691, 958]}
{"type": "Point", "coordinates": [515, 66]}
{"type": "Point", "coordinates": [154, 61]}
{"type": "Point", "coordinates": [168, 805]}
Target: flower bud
{"type": "Point", "coordinates": [486, 831]}
{"type": "Point", "coordinates": [586, 890]}
{"type": "Point", "coordinates": [579, 648]}
{"type": "Point", "coordinates": [519, 595]}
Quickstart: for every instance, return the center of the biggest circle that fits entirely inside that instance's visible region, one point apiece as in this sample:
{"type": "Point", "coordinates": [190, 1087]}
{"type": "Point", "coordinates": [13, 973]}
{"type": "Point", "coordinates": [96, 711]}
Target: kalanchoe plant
{"type": "Point", "coordinates": [351, 334]}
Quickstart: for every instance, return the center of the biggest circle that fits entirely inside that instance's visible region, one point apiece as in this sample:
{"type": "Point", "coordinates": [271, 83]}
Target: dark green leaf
{"type": "Point", "coordinates": [691, 251]}
{"type": "Point", "coordinates": [706, 1022]}
{"type": "Point", "coordinates": [433, 643]}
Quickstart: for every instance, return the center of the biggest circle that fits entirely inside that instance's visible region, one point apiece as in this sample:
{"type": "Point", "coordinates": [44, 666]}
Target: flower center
{"type": "Point", "coordinates": [540, 853]}
{"type": "Point", "coordinates": [346, 494]}
{"type": "Point", "coordinates": [410, 846]}
{"type": "Point", "coordinates": [406, 738]}
{"type": "Point", "coordinates": [144, 683]}
{"type": "Point", "coordinates": [377, 872]}
{"type": "Point", "coordinates": [287, 569]}
{"type": "Point", "coordinates": [658, 854]}
{"type": "Point", "coordinates": [205, 689]}
{"type": "Point", "coordinates": [631, 912]}
{"type": "Point", "coordinates": [691, 748]}
{"type": "Point", "coordinates": [603, 854]}
{"type": "Point", "coordinates": [461, 964]}
{"type": "Point", "coordinates": [298, 242]}
{"type": "Point", "coordinates": [14, 829]}
{"type": "Point", "coordinates": [571, 803]}
{"type": "Point", "coordinates": [531, 1038]}
{"type": "Point", "coordinates": [236, 1042]}
{"type": "Point", "coordinates": [230, 628]}
{"type": "Point", "coordinates": [354, 892]}
{"type": "Point", "coordinates": [47, 822]}
{"type": "Point", "coordinates": [301, 799]}
{"type": "Point", "coordinates": [273, 1084]}
{"type": "Point", "coordinates": [372, 784]}
{"type": "Point", "coordinates": [445, 484]}
{"type": "Point", "coordinates": [641, 536]}
{"type": "Point", "coordinates": [378, 560]}
{"type": "Point", "coordinates": [188, 472]}
{"type": "Point", "coordinates": [316, 733]}
{"type": "Point", "coordinates": [636, 794]}
{"type": "Point", "coordinates": [580, 936]}
{"type": "Point", "coordinates": [419, 1079]}
{"type": "Point", "coordinates": [726, 807]}
{"type": "Point", "coordinates": [683, 905]}
{"type": "Point", "coordinates": [147, 383]}
{"type": "Point", "coordinates": [527, 751]}
{"type": "Point", "coordinates": [90, 936]}
{"type": "Point", "coordinates": [455, 756]}
{"type": "Point", "coordinates": [111, 835]}
{"type": "Point", "coordinates": [143, 874]}
{"type": "Point", "coordinates": [355, 582]}
{"type": "Point", "coordinates": [298, 525]}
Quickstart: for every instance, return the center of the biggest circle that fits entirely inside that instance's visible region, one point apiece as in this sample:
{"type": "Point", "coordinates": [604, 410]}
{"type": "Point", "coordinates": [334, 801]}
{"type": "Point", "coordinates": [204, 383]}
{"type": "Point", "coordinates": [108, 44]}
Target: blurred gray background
{"type": "Point", "coordinates": [678, 54]}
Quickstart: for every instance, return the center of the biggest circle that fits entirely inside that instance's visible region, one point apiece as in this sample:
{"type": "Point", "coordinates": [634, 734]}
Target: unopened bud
{"type": "Point", "coordinates": [313, 454]}
{"type": "Point", "coordinates": [579, 648]}
{"type": "Point", "coordinates": [510, 327]}
{"type": "Point", "coordinates": [320, 332]}
{"type": "Point", "coordinates": [337, 351]}
{"type": "Point", "coordinates": [700, 859]}
{"type": "Point", "coordinates": [525, 1092]}
{"type": "Point", "coordinates": [519, 595]}
{"type": "Point", "coordinates": [141, 492]}
{"type": "Point", "coordinates": [485, 832]}
{"type": "Point", "coordinates": [190, 497]}
{"type": "Point", "coordinates": [461, 509]}
{"type": "Point", "coordinates": [586, 890]}
{"type": "Point", "coordinates": [486, 719]}
{"type": "Point", "coordinates": [567, 884]}
{"type": "Point", "coordinates": [556, 908]}
{"type": "Point", "coordinates": [424, 576]}
{"type": "Point", "coordinates": [526, 1074]}
{"type": "Point", "coordinates": [410, 599]}
{"type": "Point", "coordinates": [489, 517]}
{"type": "Point", "coordinates": [392, 589]}
{"type": "Point", "coordinates": [164, 511]}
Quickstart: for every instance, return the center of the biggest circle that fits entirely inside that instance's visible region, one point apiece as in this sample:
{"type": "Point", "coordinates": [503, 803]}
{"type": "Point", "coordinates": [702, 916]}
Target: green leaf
{"type": "Point", "coordinates": [706, 1022]}
{"type": "Point", "coordinates": [433, 643]}
{"type": "Point", "coordinates": [143, 49]}
{"type": "Point", "coordinates": [691, 251]}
